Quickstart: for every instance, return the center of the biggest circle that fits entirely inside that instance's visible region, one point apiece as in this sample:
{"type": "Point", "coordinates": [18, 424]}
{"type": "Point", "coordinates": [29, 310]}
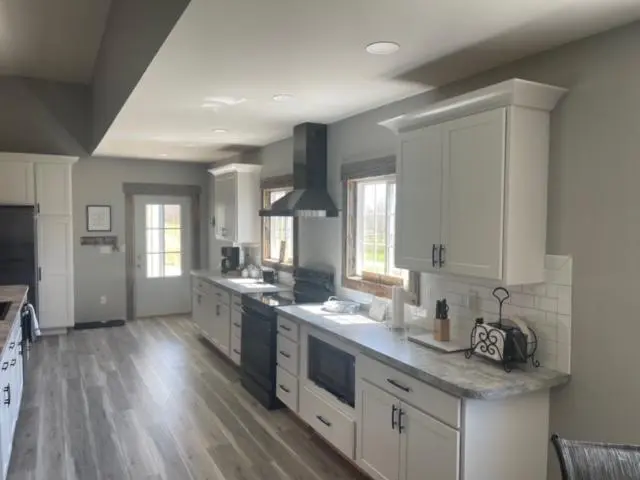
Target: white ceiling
{"type": "Point", "coordinates": [51, 39]}
{"type": "Point", "coordinates": [315, 50]}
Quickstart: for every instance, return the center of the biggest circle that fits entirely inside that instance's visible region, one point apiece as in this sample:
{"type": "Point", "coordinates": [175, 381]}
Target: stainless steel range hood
{"type": "Point", "coordinates": [309, 197]}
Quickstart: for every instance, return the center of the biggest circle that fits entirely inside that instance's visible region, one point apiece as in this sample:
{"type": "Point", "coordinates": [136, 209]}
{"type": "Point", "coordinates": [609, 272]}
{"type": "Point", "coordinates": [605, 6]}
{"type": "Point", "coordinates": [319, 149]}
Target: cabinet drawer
{"type": "Point", "coordinates": [288, 328]}
{"type": "Point", "coordinates": [202, 286]}
{"type": "Point", "coordinates": [236, 302]}
{"type": "Point", "coordinates": [221, 295]}
{"type": "Point", "coordinates": [236, 323]}
{"type": "Point", "coordinates": [234, 355]}
{"type": "Point", "coordinates": [287, 354]}
{"type": "Point", "coordinates": [336, 427]}
{"type": "Point", "coordinates": [287, 390]}
{"type": "Point", "coordinates": [235, 345]}
{"type": "Point", "coordinates": [435, 402]}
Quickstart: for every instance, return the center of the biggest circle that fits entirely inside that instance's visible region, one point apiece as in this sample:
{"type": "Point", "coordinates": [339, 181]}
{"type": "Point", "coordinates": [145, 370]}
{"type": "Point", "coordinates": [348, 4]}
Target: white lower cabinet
{"type": "Point", "coordinates": [11, 383]}
{"type": "Point", "coordinates": [212, 310]}
{"type": "Point", "coordinates": [336, 427]}
{"type": "Point", "coordinates": [378, 440]}
{"type": "Point", "coordinates": [399, 442]}
{"type": "Point", "coordinates": [428, 448]}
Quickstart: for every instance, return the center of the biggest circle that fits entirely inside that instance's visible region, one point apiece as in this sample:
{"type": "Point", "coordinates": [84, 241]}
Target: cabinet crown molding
{"type": "Point", "coordinates": [235, 167]}
{"type": "Point", "coordinates": [35, 158]}
{"type": "Point", "coordinates": [518, 92]}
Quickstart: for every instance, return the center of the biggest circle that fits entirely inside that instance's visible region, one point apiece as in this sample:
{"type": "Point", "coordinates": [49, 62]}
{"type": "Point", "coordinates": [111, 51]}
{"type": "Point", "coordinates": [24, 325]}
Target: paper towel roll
{"type": "Point", "coordinates": [397, 307]}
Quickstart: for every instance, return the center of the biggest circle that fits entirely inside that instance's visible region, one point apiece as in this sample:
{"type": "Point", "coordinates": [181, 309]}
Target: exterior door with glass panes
{"type": "Point", "coordinates": [163, 244]}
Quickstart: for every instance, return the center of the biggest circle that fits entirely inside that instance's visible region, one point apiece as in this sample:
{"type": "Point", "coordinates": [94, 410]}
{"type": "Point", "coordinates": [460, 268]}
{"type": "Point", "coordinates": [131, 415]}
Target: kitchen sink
{"type": "Point", "coordinates": [4, 309]}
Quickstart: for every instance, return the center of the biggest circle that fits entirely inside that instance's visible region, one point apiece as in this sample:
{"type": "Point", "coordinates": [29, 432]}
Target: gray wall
{"type": "Point", "coordinates": [99, 181]}
{"type": "Point", "coordinates": [135, 30]}
{"type": "Point", "coordinates": [41, 116]}
{"type": "Point", "coordinates": [593, 215]}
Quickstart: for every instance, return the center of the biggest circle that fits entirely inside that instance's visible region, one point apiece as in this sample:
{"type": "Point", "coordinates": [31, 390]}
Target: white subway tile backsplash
{"type": "Point", "coordinates": [521, 300]}
{"type": "Point", "coordinates": [545, 307]}
{"type": "Point", "coordinates": [564, 300]}
{"type": "Point", "coordinates": [546, 304]}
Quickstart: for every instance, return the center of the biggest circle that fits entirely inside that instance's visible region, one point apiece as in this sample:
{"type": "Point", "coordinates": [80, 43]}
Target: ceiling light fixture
{"type": "Point", "coordinates": [282, 97]}
{"type": "Point", "coordinates": [228, 101]}
{"type": "Point", "coordinates": [164, 155]}
{"type": "Point", "coordinates": [382, 48]}
{"type": "Point", "coordinates": [219, 130]}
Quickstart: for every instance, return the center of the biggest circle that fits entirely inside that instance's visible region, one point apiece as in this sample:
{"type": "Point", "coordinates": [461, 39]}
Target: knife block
{"type": "Point", "coordinates": [441, 329]}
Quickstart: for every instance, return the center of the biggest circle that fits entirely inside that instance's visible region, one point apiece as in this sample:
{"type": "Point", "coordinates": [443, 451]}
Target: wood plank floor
{"type": "Point", "coordinates": [152, 401]}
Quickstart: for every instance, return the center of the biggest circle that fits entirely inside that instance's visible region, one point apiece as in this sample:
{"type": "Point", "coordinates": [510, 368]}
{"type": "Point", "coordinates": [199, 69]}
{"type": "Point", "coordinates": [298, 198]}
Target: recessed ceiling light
{"type": "Point", "coordinates": [382, 48]}
{"type": "Point", "coordinates": [219, 130]}
{"type": "Point", "coordinates": [228, 101]}
{"type": "Point", "coordinates": [282, 97]}
{"type": "Point", "coordinates": [164, 155]}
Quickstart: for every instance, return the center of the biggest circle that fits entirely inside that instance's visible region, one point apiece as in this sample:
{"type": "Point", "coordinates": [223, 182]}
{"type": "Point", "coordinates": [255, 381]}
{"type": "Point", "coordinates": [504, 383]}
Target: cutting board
{"type": "Point", "coordinates": [427, 340]}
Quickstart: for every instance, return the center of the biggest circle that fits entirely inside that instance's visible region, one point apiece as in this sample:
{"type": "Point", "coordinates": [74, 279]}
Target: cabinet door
{"type": "Point", "coordinates": [429, 449]}
{"type": "Point", "coordinates": [53, 188]}
{"type": "Point", "coordinates": [55, 261]}
{"type": "Point", "coordinates": [473, 194]}
{"type": "Point", "coordinates": [225, 206]}
{"type": "Point", "coordinates": [418, 198]}
{"type": "Point", "coordinates": [223, 328]}
{"type": "Point", "coordinates": [5, 415]}
{"type": "Point", "coordinates": [197, 308]}
{"type": "Point", "coordinates": [378, 445]}
{"type": "Point", "coordinates": [209, 315]}
{"type": "Point", "coordinates": [16, 183]}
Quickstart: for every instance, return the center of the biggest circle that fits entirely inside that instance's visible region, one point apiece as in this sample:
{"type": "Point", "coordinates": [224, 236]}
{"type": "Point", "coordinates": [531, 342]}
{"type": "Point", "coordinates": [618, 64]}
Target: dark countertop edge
{"type": "Point", "coordinates": [207, 278]}
{"type": "Point", "coordinates": [437, 382]}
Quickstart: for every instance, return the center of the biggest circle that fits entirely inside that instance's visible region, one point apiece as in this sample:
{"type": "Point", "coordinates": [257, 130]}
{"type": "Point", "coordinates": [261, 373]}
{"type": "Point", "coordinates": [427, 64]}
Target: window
{"type": "Point", "coordinates": [164, 237]}
{"type": "Point", "coordinates": [371, 204]}
{"type": "Point", "coordinates": [278, 231]}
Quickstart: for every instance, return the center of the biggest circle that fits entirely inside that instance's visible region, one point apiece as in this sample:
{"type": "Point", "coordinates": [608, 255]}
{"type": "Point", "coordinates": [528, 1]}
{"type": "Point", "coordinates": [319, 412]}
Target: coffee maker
{"type": "Point", "coordinates": [230, 259]}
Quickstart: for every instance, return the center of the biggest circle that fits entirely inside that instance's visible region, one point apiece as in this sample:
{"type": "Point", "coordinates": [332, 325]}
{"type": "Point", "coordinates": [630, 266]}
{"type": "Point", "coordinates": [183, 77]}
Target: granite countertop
{"type": "Point", "coordinates": [474, 378]}
{"type": "Point", "coordinates": [17, 295]}
{"type": "Point", "coordinates": [228, 284]}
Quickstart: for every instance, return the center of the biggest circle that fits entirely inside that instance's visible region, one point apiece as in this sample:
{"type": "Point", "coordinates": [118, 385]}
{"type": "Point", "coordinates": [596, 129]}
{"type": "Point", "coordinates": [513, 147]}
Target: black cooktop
{"type": "Point", "coordinates": [278, 299]}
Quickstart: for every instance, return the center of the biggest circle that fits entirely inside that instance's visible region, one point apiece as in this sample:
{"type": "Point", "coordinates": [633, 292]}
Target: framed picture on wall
{"type": "Point", "coordinates": [98, 218]}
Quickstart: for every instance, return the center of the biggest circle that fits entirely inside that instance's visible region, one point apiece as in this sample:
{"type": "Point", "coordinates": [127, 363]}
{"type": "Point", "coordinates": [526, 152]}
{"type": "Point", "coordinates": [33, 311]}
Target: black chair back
{"type": "Point", "coordinates": [597, 461]}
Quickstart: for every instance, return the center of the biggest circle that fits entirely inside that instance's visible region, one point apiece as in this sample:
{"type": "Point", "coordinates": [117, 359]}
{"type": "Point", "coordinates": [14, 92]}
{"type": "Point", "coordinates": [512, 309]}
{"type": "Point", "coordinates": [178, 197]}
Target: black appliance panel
{"type": "Point", "coordinates": [332, 369]}
{"type": "Point", "coordinates": [18, 248]}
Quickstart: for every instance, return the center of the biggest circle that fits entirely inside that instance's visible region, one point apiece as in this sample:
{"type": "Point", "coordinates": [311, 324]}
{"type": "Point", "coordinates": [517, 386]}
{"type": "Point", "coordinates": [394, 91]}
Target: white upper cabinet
{"type": "Point", "coordinates": [473, 194]}
{"type": "Point", "coordinates": [16, 182]}
{"type": "Point", "coordinates": [53, 188]}
{"type": "Point", "coordinates": [237, 203]}
{"type": "Point", "coordinates": [472, 183]}
{"type": "Point", "coordinates": [419, 179]}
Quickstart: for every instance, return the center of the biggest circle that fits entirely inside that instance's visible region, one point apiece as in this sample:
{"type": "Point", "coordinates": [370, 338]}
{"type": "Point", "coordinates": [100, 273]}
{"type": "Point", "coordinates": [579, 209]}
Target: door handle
{"type": "Point", "coordinates": [5, 365]}
{"type": "Point", "coordinates": [217, 309]}
{"type": "Point", "coordinates": [7, 391]}
{"type": "Point", "coordinates": [433, 256]}
{"type": "Point", "coordinates": [284, 389]}
{"type": "Point", "coordinates": [398, 385]}
{"type": "Point", "coordinates": [323, 420]}
{"type": "Point", "coordinates": [39, 274]}
{"type": "Point", "coordinates": [284, 354]}
{"type": "Point", "coordinates": [12, 345]}
{"type": "Point", "coordinates": [394, 409]}
{"type": "Point", "coordinates": [401, 414]}
{"type": "Point", "coordinates": [441, 253]}
{"type": "Point", "coordinates": [13, 362]}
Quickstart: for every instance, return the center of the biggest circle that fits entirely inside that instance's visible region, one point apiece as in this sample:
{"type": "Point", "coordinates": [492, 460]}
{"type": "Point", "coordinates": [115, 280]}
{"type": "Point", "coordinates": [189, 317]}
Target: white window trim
{"type": "Point", "coordinates": [265, 259]}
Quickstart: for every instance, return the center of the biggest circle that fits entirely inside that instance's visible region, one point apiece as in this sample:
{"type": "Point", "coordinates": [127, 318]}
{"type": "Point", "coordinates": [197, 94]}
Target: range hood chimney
{"type": "Point", "coordinates": [309, 197]}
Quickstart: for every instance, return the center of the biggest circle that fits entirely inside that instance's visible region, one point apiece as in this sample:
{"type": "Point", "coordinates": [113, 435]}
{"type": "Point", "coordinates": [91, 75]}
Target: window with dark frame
{"type": "Point", "coordinates": [369, 202]}
{"type": "Point", "coordinates": [277, 231]}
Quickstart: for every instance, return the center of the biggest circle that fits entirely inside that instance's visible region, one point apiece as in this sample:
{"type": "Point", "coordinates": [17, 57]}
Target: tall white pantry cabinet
{"type": "Point", "coordinates": [472, 183]}
{"type": "Point", "coordinates": [44, 181]}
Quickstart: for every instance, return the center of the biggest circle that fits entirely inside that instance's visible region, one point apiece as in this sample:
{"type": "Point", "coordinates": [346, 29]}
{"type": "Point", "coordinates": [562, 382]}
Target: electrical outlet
{"type": "Point", "coordinates": [103, 300]}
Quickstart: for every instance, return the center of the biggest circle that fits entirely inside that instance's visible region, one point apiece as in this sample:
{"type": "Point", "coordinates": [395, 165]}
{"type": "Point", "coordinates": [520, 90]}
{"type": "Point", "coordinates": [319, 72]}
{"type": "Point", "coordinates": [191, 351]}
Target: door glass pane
{"type": "Point", "coordinates": [153, 214]}
{"type": "Point", "coordinates": [154, 237]}
{"type": "Point", "coordinates": [172, 216]}
{"type": "Point", "coordinates": [172, 240]}
{"type": "Point", "coordinates": [154, 265]}
{"type": "Point", "coordinates": [172, 264]}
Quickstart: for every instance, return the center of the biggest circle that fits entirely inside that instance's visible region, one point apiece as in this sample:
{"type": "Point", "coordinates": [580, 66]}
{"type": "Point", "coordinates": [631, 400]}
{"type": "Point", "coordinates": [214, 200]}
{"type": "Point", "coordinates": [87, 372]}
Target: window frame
{"type": "Point", "coordinates": [267, 185]}
{"type": "Point", "coordinates": [376, 284]}
{"type": "Point", "coordinates": [162, 229]}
